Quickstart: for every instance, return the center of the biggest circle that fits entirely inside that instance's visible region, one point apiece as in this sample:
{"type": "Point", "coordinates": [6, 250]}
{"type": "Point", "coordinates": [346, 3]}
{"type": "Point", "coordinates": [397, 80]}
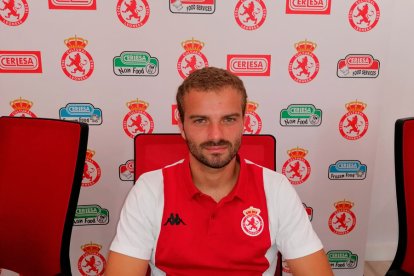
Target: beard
{"type": "Point", "coordinates": [216, 160]}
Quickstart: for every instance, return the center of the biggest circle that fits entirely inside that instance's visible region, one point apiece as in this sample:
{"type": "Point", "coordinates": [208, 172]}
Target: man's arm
{"type": "Point", "coordinates": [120, 264]}
{"type": "Point", "coordinates": [315, 264]}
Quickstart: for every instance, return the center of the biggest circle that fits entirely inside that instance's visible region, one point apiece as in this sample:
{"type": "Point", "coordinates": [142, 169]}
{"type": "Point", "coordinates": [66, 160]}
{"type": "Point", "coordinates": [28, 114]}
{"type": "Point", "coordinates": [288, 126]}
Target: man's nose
{"type": "Point", "coordinates": [215, 131]}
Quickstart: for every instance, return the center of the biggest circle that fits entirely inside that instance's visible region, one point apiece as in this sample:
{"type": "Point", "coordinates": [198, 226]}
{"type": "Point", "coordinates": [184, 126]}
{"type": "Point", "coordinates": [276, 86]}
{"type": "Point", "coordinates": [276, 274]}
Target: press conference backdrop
{"type": "Point", "coordinates": [315, 71]}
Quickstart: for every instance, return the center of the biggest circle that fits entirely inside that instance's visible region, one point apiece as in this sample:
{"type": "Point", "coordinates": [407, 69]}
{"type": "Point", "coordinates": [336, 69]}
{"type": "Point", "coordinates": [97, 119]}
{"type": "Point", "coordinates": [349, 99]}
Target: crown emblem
{"type": "Point", "coordinates": [192, 45]}
{"type": "Point", "coordinates": [251, 211]}
{"type": "Point", "coordinates": [76, 42]}
{"type": "Point", "coordinates": [355, 106]}
{"type": "Point", "coordinates": [305, 46]}
{"type": "Point", "coordinates": [91, 248]}
{"type": "Point", "coordinates": [21, 104]}
{"type": "Point", "coordinates": [297, 152]}
{"type": "Point", "coordinates": [89, 154]}
{"type": "Point", "coordinates": [136, 105]}
{"type": "Point", "coordinates": [343, 205]}
{"type": "Point", "coordinates": [251, 106]}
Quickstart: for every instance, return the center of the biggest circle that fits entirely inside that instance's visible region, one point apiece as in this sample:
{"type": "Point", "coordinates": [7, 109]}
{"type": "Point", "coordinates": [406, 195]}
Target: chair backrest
{"type": "Point", "coordinates": [154, 151]}
{"type": "Point", "coordinates": [404, 178]}
{"type": "Point", "coordinates": [41, 166]}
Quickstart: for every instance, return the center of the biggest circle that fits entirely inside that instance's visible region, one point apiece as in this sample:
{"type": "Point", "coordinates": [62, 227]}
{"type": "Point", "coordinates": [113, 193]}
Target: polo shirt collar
{"type": "Point", "coordinates": [239, 190]}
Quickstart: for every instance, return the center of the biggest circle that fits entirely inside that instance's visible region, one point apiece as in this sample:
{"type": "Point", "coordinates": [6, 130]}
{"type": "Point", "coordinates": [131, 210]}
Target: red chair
{"type": "Point", "coordinates": [41, 166]}
{"type": "Point", "coordinates": [153, 151]}
{"type": "Point", "coordinates": [403, 263]}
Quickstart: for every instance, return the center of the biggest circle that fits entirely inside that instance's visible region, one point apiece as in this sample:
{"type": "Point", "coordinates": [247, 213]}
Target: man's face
{"type": "Point", "coordinates": [213, 125]}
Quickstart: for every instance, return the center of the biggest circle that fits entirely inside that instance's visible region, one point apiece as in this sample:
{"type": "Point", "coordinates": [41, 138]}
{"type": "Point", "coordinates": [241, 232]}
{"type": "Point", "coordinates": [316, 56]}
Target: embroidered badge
{"type": "Point", "coordinates": [252, 223]}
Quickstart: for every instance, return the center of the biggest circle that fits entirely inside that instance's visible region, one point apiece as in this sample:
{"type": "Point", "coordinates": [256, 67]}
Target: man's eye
{"type": "Point", "coordinates": [229, 120]}
{"type": "Point", "coordinates": [199, 121]}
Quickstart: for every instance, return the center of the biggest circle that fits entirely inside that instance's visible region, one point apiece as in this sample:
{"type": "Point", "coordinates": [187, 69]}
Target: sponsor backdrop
{"type": "Point", "coordinates": [312, 68]}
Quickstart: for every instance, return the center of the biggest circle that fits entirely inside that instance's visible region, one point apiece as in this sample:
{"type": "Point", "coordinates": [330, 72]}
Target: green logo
{"type": "Point", "coordinates": [135, 64]}
{"type": "Point", "coordinates": [342, 259]}
{"type": "Point", "coordinates": [301, 115]}
{"type": "Point", "coordinates": [91, 215]}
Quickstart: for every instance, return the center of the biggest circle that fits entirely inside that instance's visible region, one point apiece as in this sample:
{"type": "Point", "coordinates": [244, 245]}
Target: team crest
{"type": "Point", "coordinates": [21, 108]}
{"type": "Point", "coordinates": [304, 65]}
{"type": "Point", "coordinates": [252, 223]}
{"type": "Point", "coordinates": [192, 59]}
{"type": "Point", "coordinates": [91, 171]}
{"type": "Point", "coordinates": [126, 171]}
{"type": "Point", "coordinates": [297, 169]}
{"type": "Point", "coordinates": [364, 15]}
{"type": "Point", "coordinates": [175, 115]}
{"type": "Point", "coordinates": [250, 14]}
{"type": "Point", "coordinates": [91, 262]}
{"type": "Point", "coordinates": [343, 220]}
{"type": "Point", "coordinates": [193, 6]}
{"type": "Point", "coordinates": [137, 120]}
{"type": "Point", "coordinates": [252, 122]}
{"type": "Point", "coordinates": [14, 12]}
{"type": "Point", "coordinates": [76, 62]}
{"type": "Point", "coordinates": [354, 124]}
{"type": "Point", "coordinates": [133, 13]}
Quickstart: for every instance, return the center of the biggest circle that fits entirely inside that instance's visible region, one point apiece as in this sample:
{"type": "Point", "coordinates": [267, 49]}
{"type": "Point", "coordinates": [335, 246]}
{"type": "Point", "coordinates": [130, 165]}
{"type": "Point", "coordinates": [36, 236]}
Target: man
{"type": "Point", "coordinates": [214, 212]}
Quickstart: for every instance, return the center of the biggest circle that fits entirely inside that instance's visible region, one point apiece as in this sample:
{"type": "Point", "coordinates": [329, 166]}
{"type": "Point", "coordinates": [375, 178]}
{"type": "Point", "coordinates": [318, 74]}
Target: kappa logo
{"type": "Point", "coordinates": [342, 259]}
{"type": "Point", "coordinates": [343, 220]}
{"type": "Point", "coordinates": [354, 124]}
{"type": "Point", "coordinates": [137, 120]}
{"type": "Point", "coordinates": [126, 171]}
{"type": "Point", "coordinates": [133, 13]}
{"type": "Point", "coordinates": [304, 65]}
{"type": "Point", "coordinates": [72, 5]}
{"type": "Point", "coordinates": [76, 62]}
{"type": "Point", "coordinates": [249, 65]}
{"type": "Point", "coordinates": [192, 59]}
{"type": "Point", "coordinates": [250, 14]}
{"type": "Point", "coordinates": [91, 171]}
{"type": "Point", "coordinates": [91, 215]}
{"type": "Point", "coordinates": [193, 6]}
{"type": "Point", "coordinates": [358, 66]}
{"type": "Point", "coordinates": [20, 62]}
{"type": "Point", "coordinates": [347, 170]}
{"type": "Point", "coordinates": [252, 122]}
{"type": "Point", "coordinates": [135, 64]}
{"type": "Point", "coordinates": [308, 6]}
{"type": "Point", "coordinates": [14, 12]}
{"type": "Point", "coordinates": [297, 169]}
{"type": "Point", "coordinates": [174, 220]}
{"type": "Point", "coordinates": [91, 262]}
{"type": "Point", "coordinates": [21, 108]}
{"type": "Point", "coordinates": [81, 112]}
{"type": "Point", "coordinates": [301, 115]}
{"type": "Point", "coordinates": [364, 15]}
{"type": "Point", "coordinates": [252, 223]}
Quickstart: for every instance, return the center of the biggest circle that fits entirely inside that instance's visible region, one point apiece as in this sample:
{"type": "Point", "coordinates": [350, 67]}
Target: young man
{"type": "Point", "coordinates": [214, 212]}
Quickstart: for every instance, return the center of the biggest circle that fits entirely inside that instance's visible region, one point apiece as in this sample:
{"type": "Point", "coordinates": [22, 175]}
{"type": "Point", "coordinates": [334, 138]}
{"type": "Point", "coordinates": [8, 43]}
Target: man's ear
{"type": "Point", "coordinates": [181, 126]}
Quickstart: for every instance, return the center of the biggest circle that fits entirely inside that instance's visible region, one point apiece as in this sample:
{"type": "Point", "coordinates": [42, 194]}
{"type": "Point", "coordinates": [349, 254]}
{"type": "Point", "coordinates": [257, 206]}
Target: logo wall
{"type": "Point", "coordinates": [20, 62]}
{"type": "Point", "coordinates": [250, 14]}
{"type": "Point", "coordinates": [14, 12]}
{"type": "Point", "coordinates": [358, 66]}
{"type": "Point", "coordinates": [91, 171]}
{"type": "Point", "coordinates": [308, 6]}
{"type": "Point", "coordinates": [72, 5]}
{"type": "Point", "coordinates": [133, 13]}
{"type": "Point", "coordinates": [304, 65]}
{"type": "Point", "coordinates": [21, 108]}
{"type": "Point", "coordinates": [76, 62]}
{"type": "Point", "coordinates": [354, 124]}
{"type": "Point", "coordinates": [192, 59]}
{"type": "Point", "coordinates": [137, 120]}
{"type": "Point", "coordinates": [91, 262]}
{"type": "Point", "coordinates": [252, 121]}
{"type": "Point", "coordinates": [249, 65]}
{"type": "Point", "coordinates": [297, 169]}
{"type": "Point", "coordinates": [343, 220]}
{"type": "Point", "coordinates": [364, 15]}
{"type": "Point", "coordinates": [193, 6]}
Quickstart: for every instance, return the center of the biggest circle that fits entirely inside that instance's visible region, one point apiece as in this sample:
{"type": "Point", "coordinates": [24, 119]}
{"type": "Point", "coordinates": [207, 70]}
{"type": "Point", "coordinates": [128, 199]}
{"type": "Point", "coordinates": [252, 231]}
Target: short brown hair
{"type": "Point", "coordinates": [208, 79]}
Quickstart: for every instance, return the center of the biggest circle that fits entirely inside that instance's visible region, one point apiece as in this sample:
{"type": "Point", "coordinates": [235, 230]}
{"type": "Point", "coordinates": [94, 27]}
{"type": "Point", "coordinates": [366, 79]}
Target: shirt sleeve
{"type": "Point", "coordinates": [136, 235]}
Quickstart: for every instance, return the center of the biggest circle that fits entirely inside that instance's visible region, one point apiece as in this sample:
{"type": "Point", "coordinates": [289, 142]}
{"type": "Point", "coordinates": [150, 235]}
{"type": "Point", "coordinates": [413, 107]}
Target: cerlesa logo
{"type": "Point", "coordinates": [20, 62]}
{"type": "Point", "coordinates": [174, 219]}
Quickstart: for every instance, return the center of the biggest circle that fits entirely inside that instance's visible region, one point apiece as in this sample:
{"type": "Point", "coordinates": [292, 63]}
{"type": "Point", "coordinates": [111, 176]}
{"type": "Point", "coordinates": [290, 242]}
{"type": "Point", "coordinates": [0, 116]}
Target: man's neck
{"type": "Point", "coordinates": [216, 183]}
